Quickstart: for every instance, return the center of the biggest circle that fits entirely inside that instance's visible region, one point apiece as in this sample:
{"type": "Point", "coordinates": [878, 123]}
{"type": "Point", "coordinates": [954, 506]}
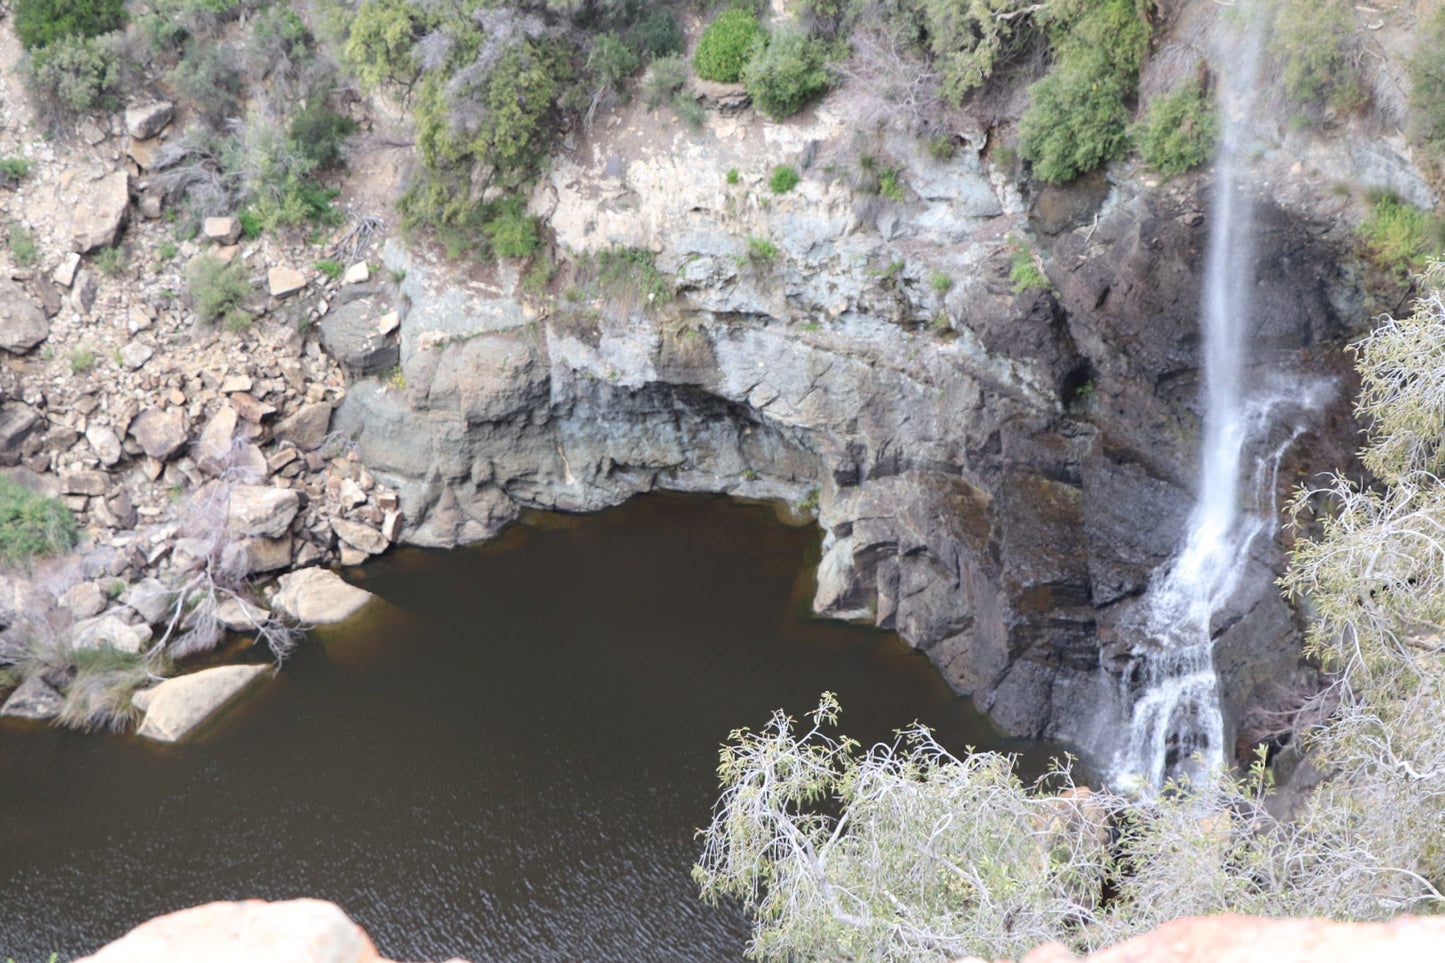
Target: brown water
{"type": "Point", "coordinates": [506, 762]}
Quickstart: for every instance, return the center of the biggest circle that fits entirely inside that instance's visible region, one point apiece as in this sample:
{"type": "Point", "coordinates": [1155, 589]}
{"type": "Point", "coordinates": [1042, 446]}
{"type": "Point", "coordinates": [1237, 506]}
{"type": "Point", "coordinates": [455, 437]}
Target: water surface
{"type": "Point", "coordinates": [507, 761]}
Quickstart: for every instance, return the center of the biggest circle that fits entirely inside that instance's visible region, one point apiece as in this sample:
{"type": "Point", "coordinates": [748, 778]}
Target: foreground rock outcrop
{"type": "Point", "coordinates": [296, 931]}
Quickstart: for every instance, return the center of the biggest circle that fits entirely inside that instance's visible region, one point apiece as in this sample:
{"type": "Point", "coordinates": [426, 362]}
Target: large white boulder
{"type": "Point", "coordinates": [175, 707]}
{"type": "Point", "coordinates": [318, 596]}
{"type": "Point", "coordinates": [262, 510]}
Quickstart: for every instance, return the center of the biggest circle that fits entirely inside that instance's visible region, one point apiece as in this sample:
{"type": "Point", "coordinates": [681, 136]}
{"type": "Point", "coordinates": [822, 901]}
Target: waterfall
{"type": "Point", "coordinates": [1173, 689]}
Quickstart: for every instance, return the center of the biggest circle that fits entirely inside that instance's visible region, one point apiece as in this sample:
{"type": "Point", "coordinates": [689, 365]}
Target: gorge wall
{"type": "Point", "coordinates": [996, 473]}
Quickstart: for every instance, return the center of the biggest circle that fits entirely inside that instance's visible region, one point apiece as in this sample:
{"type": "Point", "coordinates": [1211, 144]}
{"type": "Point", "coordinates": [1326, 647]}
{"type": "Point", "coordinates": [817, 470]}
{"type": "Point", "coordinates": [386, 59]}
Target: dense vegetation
{"type": "Point", "coordinates": [32, 525]}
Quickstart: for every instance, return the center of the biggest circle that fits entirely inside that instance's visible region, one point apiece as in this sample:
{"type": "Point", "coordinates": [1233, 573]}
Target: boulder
{"type": "Point", "coordinates": [306, 428]}
{"type": "Point", "coordinates": [352, 335]}
{"type": "Point", "coordinates": [144, 121]}
{"type": "Point", "coordinates": [295, 931]}
{"type": "Point", "coordinates": [261, 510]}
{"type": "Point", "coordinates": [261, 554]}
{"type": "Point", "coordinates": [109, 631]}
{"type": "Point", "coordinates": [135, 354]}
{"type": "Point", "coordinates": [33, 700]}
{"type": "Point", "coordinates": [104, 442]}
{"type": "Point", "coordinates": [177, 706]}
{"type": "Point", "coordinates": [318, 596]}
{"type": "Point", "coordinates": [151, 599]}
{"type": "Point", "coordinates": [83, 482]}
{"type": "Point", "coordinates": [17, 420]}
{"type": "Point", "coordinates": [284, 281]}
{"type": "Point", "coordinates": [100, 213]}
{"type": "Point", "coordinates": [84, 599]}
{"type": "Point", "coordinates": [239, 615]}
{"type": "Point", "coordinates": [160, 433]}
{"type": "Point", "coordinates": [359, 536]}
{"type": "Point", "coordinates": [222, 230]}
{"type": "Point", "coordinates": [64, 274]}
{"type": "Point", "coordinates": [22, 324]}
{"type": "Point", "coordinates": [213, 448]}
{"type": "Point", "coordinates": [358, 273]}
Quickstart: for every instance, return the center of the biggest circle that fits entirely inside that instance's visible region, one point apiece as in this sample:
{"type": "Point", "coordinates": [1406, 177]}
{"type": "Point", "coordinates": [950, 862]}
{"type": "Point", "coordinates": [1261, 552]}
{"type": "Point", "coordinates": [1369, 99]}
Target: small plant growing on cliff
{"type": "Point", "coordinates": [890, 184]}
{"type": "Point", "coordinates": [511, 231]}
{"type": "Point", "coordinates": [32, 525]}
{"type": "Point", "coordinates": [761, 251]}
{"type": "Point", "coordinates": [1399, 237]}
{"type": "Point", "coordinates": [23, 249]}
{"type": "Point", "coordinates": [83, 359]}
{"type": "Point", "coordinates": [783, 179]}
{"type": "Point", "coordinates": [217, 290]}
{"type": "Point", "coordinates": [13, 170]}
{"type": "Point", "coordinates": [1025, 272]}
{"type": "Point", "coordinates": [732, 175]}
{"type": "Point", "coordinates": [1315, 42]}
{"type": "Point", "coordinates": [1179, 131]}
{"type": "Point", "coordinates": [1427, 87]}
{"type": "Point", "coordinates": [940, 283]}
{"type": "Point", "coordinates": [331, 268]}
{"type": "Point", "coordinates": [727, 44]}
{"type": "Point", "coordinates": [111, 261]}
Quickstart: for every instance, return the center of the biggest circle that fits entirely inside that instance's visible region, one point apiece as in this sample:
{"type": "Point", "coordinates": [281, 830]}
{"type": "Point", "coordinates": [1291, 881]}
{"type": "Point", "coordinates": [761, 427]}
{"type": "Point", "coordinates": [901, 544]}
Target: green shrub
{"type": "Point", "coordinates": [39, 23]}
{"type": "Point", "coordinates": [784, 179]}
{"type": "Point", "coordinates": [83, 359]}
{"type": "Point", "coordinates": [612, 60]}
{"type": "Point", "coordinates": [940, 283]}
{"type": "Point", "coordinates": [1314, 40]}
{"type": "Point", "coordinates": [379, 41]}
{"type": "Point", "coordinates": [732, 175]}
{"type": "Point", "coordinates": [890, 184]}
{"type": "Point", "coordinates": [166, 253]}
{"type": "Point", "coordinates": [1024, 271]}
{"type": "Point", "coordinates": [1399, 237]}
{"type": "Point", "coordinates": [13, 170]}
{"type": "Point", "coordinates": [99, 696]}
{"type": "Point", "coordinates": [511, 231]}
{"type": "Point", "coordinates": [217, 290]}
{"type": "Point", "coordinates": [727, 45]}
{"type": "Point", "coordinates": [1179, 131]}
{"type": "Point", "coordinates": [689, 110]}
{"type": "Point", "coordinates": [656, 33]}
{"type": "Point", "coordinates": [665, 79]}
{"type": "Point", "coordinates": [1078, 116]}
{"type": "Point", "coordinates": [209, 77]}
{"type": "Point", "coordinates": [32, 525]}
{"type": "Point", "coordinates": [23, 249]}
{"type": "Point", "coordinates": [788, 74]}
{"type": "Point", "coordinates": [1427, 85]}
{"type": "Point", "coordinates": [330, 268]}
{"type": "Point", "coordinates": [111, 261]}
{"type": "Point", "coordinates": [78, 74]}
{"type": "Point", "coordinates": [632, 272]}
{"type": "Point", "coordinates": [319, 133]}
{"type": "Point", "coordinates": [761, 250]}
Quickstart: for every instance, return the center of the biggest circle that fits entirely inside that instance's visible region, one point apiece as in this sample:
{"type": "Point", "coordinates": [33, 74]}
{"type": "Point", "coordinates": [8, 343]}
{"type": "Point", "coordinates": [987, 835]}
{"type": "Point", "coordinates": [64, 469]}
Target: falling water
{"type": "Point", "coordinates": [1175, 717]}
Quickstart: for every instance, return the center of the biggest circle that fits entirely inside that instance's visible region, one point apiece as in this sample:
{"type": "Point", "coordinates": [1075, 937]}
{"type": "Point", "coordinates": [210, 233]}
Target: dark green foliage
{"type": "Point", "coordinates": [1315, 40]}
{"type": "Point", "coordinates": [217, 290]}
{"type": "Point", "coordinates": [510, 230]}
{"type": "Point", "coordinates": [330, 268]}
{"type": "Point", "coordinates": [77, 74]}
{"type": "Point", "coordinates": [13, 170]}
{"type": "Point", "coordinates": [727, 45]}
{"type": "Point", "coordinates": [209, 77]}
{"type": "Point", "coordinates": [380, 37]}
{"type": "Point", "coordinates": [1078, 115]}
{"type": "Point", "coordinates": [319, 133]}
{"type": "Point", "coordinates": [1179, 131]}
{"type": "Point", "coordinates": [612, 60]}
{"type": "Point", "coordinates": [667, 77]}
{"type": "Point", "coordinates": [631, 273]}
{"type": "Point", "coordinates": [783, 180]}
{"type": "Point", "coordinates": [656, 33]}
{"type": "Point", "coordinates": [42, 22]}
{"type": "Point", "coordinates": [787, 74]}
{"type": "Point", "coordinates": [32, 525]}
{"type": "Point", "coordinates": [23, 249]}
{"type": "Point", "coordinates": [1399, 237]}
{"type": "Point", "coordinates": [1427, 91]}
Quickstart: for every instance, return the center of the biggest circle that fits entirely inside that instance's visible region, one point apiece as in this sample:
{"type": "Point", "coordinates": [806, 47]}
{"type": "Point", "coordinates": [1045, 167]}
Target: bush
{"type": "Point", "coordinates": [1399, 237]}
{"type": "Point", "coordinates": [39, 23]}
{"type": "Point", "coordinates": [656, 34]}
{"type": "Point", "coordinates": [1078, 116]}
{"type": "Point", "coordinates": [379, 41]}
{"type": "Point", "coordinates": [330, 268]}
{"type": "Point", "coordinates": [32, 525]}
{"type": "Point", "coordinates": [727, 45]}
{"type": "Point", "coordinates": [511, 231]}
{"type": "Point", "coordinates": [612, 60]}
{"type": "Point", "coordinates": [78, 74]}
{"type": "Point", "coordinates": [665, 79]}
{"type": "Point", "coordinates": [1025, 272]}
{"type": "Point", "coordinates": [319, 133]}
{"type": "Point", "coordinates": [23, 249]}
{"type": "Point", "coordinates": [217, 290]}
{"type": "Point", "coordinates": [13, 170]}
{"type": "Point", "coordinates": [208, 76]}
{"type": "Point", "coordinates": [890, 184]}
{"type": "Point", "coordinates": [632, 273]}
{"type": "Point", "coordinates": [1427, 85]}
{"type": "Point", "coordinates": [1314, 40]}
{"type": "Point", "coordinates": [761, 250]}
{"type": "Point", "coordinates": [1179, 131]}
{"type": "Point", "coordinates": [788, 74]}
{"type": "Point", "coordinates": [784, 179]}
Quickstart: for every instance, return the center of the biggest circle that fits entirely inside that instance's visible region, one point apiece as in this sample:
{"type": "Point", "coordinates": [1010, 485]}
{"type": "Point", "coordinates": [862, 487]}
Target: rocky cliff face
{"type": "Point", "coordinates": [996, 473]}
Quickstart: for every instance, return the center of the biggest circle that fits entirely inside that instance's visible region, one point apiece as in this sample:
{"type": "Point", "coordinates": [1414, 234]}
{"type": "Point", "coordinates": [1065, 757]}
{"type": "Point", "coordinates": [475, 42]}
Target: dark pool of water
{"type": "Point", "coordinates": [506, 762]}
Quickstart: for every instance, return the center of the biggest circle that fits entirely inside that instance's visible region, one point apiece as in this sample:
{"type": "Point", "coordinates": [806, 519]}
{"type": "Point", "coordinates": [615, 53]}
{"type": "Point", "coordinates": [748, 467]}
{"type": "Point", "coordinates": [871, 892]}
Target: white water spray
{"type": "Point", "coordinates": [1175, 717]}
